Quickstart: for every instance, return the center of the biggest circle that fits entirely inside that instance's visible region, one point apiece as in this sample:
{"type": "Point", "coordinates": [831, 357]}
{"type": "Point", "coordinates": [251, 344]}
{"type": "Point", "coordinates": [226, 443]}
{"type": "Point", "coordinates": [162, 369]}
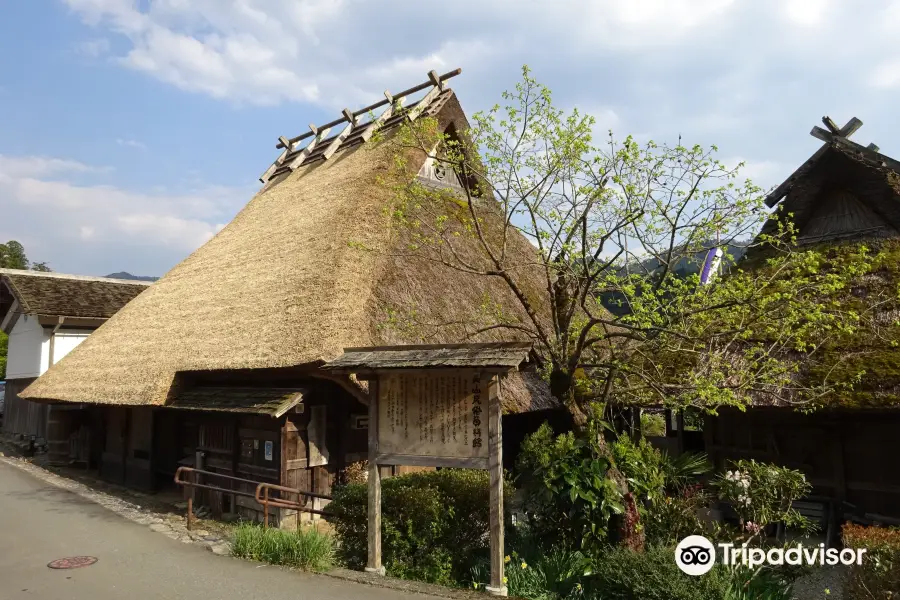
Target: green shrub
{"type": "Point", "coordinates": [671, 519]}
{"type": "Point", "coordinates": [539, 575]}
{"type": "Point", "coordinates": [653, 424]}
{"type": "Point", "coordinates": [670, 500]}
{"type": "Point", "coordinates": [762, 494]}
{"type": "Point", "coordinates": [878, 578]}
{"type": "Point", "coordinates": [652, 473]}
{"type": "Point", "coordinates": [569, 495]}
{"type": "Point", "coordinates": [761, 584]}
{"type": "Point", "coordinates": [434, 524]}
{"type": "Point", "coordinates": [622, 574]}
{"type": "Point", "coordinates": [307, 549]}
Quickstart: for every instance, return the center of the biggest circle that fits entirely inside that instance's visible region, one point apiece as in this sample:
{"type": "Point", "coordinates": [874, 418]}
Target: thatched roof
{"type": "Point", "coordinates": [284, 285]}
{"type": "Point", "coordinates": [844, 195]}
{"type": "Point", "coordinates": [844, 191]}
{"type": "Point", "coordinates": [56, 294]}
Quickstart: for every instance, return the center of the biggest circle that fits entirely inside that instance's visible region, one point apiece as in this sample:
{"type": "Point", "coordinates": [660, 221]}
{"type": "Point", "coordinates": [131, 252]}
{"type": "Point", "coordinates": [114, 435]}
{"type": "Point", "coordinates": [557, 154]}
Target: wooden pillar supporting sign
{"type": "Point", "coordinates": [436, 406]}
{"type": "Point", "coordinates": [495, 468]}
{"type": "Point", "coordinates": [373, 564]}
{"type": "Point", "coordinates": [441, 420]}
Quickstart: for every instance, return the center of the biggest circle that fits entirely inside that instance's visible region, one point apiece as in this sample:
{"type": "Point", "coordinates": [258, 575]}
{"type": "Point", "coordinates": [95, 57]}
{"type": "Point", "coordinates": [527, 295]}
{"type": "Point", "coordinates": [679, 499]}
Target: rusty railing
{"type": "Point", "coordinates": [262, 497]}
{"type": "Point", "coordinates": [261, 494]}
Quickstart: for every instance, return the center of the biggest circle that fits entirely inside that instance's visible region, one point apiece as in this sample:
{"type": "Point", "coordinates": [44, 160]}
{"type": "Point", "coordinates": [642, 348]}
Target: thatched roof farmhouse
{"type": "Point", "coordinates": [279, 291]}
{"type": "Point", "coordinates": [844, 196]}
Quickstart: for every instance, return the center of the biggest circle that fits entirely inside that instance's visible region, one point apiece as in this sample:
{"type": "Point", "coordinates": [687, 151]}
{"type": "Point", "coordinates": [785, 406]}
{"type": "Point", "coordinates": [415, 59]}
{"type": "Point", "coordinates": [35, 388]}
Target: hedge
{"type": "Point", "coordinates": [434, 524]}
{"type": "Point", "coordinates": [879, 575]}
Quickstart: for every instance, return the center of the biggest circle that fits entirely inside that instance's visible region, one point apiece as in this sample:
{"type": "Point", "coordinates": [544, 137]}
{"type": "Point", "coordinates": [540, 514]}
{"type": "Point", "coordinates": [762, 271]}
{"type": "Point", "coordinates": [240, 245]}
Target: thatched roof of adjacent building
{"type": "Point", "coordinates": [285, 284]}
{"type": "Point", "coordinates": [846, 195]}
{"type": "Point", "coordinates": [56, 294]}
{"type": "Point", "coordinates": [843, 191]}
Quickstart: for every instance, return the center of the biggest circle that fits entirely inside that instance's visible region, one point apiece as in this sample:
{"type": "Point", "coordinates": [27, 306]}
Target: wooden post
{"type": "Point", "coordinates": [373, 564]}
{"type": "Point", "coordinates": [680, 433]}
{"type": "Point", "coordinates": [636, 432]}
{"type": "Point", "coordinates": [495, 469]}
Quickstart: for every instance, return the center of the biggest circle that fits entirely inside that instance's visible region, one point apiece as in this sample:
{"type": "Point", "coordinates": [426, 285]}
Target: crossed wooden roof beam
{"type": "Point", "coordinates": [832, 135]}
{"type": "Point", "coordinates": [295, 154]}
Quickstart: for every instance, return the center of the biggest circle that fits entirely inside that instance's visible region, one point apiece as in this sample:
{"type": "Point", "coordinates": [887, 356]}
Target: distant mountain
{"type": "Point", "coordinates": [126, 275]}
{"type": "Point", "coordinates": [686, 266]}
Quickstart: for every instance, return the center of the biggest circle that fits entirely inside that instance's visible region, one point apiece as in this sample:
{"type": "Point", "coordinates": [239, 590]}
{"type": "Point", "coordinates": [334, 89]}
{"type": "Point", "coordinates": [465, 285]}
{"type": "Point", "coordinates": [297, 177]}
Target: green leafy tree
{"type": "Point", "coordinates": [12, 256]}
{"type": "Point", "coordinates": [620, 220]}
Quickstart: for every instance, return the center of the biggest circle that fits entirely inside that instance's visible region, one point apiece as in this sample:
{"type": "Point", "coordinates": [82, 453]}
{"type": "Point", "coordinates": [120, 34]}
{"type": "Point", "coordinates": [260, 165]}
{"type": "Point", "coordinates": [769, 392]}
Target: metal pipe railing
{"type": "Point", "coordinates": [191, 485]}
{"type": "Point", "coordinates": [263, 490]}
{"type": "Point", "coordinates": [261, 493]}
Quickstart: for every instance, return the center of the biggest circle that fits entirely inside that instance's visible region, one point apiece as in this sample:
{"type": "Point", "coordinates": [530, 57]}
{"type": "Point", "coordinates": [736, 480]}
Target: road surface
{"type": "Point", "coordinates": [40, 523]}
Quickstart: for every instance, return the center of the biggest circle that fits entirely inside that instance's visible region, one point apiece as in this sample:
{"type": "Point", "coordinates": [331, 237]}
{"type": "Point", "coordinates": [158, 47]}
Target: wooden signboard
{"type": "Point", "coordinates": [433, 420]}
{"type": "Point", "coordinates": [437, 419]}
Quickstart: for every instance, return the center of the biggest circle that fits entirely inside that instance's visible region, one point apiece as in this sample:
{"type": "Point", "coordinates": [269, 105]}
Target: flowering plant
{"type": "Point", "coordinates": [763, 494]}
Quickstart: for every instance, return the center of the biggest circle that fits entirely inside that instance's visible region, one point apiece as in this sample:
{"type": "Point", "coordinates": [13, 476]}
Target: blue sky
{"type": "Point", "coordinates": [132, 130]}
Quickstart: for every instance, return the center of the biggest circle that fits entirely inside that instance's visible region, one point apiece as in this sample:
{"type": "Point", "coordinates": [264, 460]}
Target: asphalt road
{"type": "Point", "coordinates": [40, 523]}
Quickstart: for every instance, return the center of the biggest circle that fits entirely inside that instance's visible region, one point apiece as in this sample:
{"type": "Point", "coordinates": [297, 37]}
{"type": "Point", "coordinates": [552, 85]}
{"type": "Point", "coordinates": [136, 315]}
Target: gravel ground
{"type": "Point", "coordinates": [813, 586]}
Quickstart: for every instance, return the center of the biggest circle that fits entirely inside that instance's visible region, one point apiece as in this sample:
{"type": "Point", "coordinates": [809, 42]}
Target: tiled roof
{"type": "Point", "coordinates": [502, 355]}
{"type": "Point", "coordinates": [55, 294]}
{"type": "Point", "coordinates": [265, 401]}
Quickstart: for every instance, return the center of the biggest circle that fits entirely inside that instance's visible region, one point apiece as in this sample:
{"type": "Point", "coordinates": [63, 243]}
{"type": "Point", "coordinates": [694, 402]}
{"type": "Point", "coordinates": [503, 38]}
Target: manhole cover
{"type": "Point", "coordinates": [73, 562]}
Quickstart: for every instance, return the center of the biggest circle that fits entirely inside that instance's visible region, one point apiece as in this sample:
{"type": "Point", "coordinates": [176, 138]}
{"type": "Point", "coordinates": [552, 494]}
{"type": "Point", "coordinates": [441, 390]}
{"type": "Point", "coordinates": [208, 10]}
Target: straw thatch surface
{"type": "Point", "coordinates": [850, 196]}
{"type": "Point", "coordinates": [282, 285]}
{"type": "Point", "coordinates": [55, 294]}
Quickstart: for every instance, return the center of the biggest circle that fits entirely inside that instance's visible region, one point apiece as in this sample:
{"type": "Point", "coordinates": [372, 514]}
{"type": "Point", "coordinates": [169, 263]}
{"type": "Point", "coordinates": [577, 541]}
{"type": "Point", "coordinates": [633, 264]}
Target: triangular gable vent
{"type": "Point", "coordinates": [437, 172]}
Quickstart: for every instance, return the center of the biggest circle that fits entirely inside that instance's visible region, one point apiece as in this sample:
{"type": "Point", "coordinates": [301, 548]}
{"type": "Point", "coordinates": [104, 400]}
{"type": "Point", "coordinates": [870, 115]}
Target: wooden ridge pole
{"type": "Point", "coordinates": [433, 80]}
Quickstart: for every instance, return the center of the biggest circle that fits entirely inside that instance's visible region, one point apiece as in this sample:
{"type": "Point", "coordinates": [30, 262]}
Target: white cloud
{"type": "Point", "coordinates": [750, 76]}
{"type": "Point", "coordinates": [81, 223]}
{"type": "Point", "coordinates": [269, 51]}
{"type": "Point", "coordinates": [131, 144]}
{"type": "Point", "coordinates": [16, 167]}
{"type": "Point", "coordinates": [806, 13]}
{"type": "Point", "coordinates": [94, 48]}
{"type": "Point", "coordinates": [764, 173]}
{"type": "Point", "coordinates": [886, 75]}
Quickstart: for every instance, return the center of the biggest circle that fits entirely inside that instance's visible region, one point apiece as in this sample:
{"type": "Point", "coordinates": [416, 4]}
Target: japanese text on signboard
{"type": "Point", "coordinates": [433, 415]}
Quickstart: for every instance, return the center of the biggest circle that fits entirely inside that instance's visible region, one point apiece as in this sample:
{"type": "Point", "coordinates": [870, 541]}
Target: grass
{"type": "Point", "coordinates": [307, 549]}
